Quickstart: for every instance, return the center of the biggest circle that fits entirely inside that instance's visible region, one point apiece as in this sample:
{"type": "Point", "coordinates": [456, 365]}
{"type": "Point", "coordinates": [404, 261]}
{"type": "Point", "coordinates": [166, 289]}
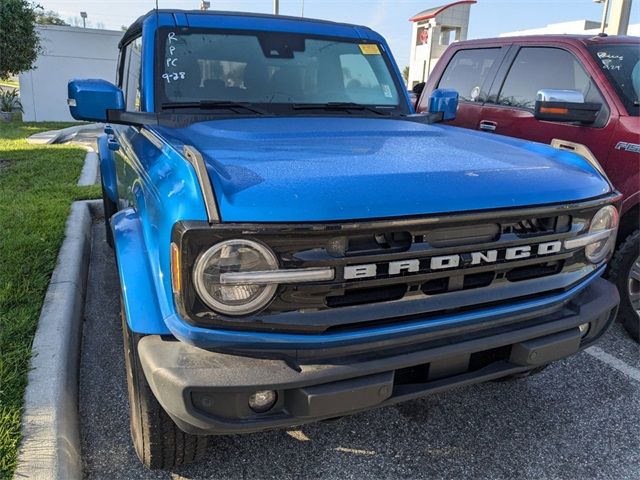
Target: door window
{"type": "Point", "coordinates": [467, 72]}
{"type": "Point", "coordinates": [130, 82]}
{"type": "Point", "coordinates": [535, 68]}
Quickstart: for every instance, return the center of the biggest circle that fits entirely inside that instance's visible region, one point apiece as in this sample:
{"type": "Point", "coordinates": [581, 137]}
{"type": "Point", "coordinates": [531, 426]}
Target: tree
{"type": "Point", "coordinates": [19, 42]}
{"type": "Point", "coordinates": [405, 74]}
{"type": "Point", "coordinates": [48, 17]}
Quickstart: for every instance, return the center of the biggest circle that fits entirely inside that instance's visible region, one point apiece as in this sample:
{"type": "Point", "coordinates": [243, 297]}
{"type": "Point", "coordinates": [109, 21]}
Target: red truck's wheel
{"type": "Point", "coordinates": [625, 273]}
{"type": "Point", "coordinates": [158, 442]}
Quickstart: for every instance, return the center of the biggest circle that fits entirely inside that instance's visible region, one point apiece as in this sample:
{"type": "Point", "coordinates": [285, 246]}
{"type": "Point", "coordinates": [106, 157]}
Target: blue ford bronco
{"type": "Point", "coordinates": [294, 243]}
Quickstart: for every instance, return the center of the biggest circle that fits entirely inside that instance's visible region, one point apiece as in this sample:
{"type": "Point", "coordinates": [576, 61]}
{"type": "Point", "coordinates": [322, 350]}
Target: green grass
{"type": "Point", "coordinates": [37, 186]}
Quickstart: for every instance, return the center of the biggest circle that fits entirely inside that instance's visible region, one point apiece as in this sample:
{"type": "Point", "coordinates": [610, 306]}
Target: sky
{"type": "Point", "coordinates": [389, 17]}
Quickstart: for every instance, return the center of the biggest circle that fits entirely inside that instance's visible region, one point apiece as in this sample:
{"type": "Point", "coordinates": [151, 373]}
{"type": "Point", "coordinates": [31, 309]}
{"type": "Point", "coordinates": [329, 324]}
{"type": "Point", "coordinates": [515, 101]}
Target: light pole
{"type": "Point", "coordinates": [603, 24]}
{"type": "Point", "coordinates": [84, 19]}
{"type": "Point", "coordinates": [276, 7]}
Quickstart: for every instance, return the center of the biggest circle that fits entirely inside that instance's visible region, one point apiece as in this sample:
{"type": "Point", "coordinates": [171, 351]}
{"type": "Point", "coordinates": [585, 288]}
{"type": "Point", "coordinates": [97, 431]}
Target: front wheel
{"type": "Point", "coordinates": [158, 441]}
{"type": "Point", "coordinates": [625, 273]}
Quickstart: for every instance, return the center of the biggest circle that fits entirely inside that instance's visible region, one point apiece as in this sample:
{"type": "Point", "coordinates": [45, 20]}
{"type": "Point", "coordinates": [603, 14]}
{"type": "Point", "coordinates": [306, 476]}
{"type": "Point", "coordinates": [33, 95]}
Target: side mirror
{"type": "Point", "coordinates": [92, 99]}
{"type": "Point", "coordinates": [445, 102]}
{"type": "Point", "coordinates": [564, 106]}
{"type": "Point", "coordinates": [418, 88]}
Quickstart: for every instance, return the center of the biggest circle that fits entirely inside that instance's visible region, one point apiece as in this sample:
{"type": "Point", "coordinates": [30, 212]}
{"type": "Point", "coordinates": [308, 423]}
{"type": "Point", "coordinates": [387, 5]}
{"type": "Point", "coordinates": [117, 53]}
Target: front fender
{"type": "Point", "coordinates": [139, 299]}
{"type": "Point", "coordinates": [632, 200]}
{"type": "Point", "coordinates": [107, 169]}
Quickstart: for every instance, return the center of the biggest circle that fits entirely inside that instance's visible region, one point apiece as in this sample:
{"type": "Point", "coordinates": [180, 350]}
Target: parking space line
{"type": "Point", "coordinates": [614, 362]}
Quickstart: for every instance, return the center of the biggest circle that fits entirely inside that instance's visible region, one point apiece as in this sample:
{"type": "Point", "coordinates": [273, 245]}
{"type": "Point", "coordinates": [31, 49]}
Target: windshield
{"type": "Point", "coordinates": [621, 65]}
{"type": "Point", "coordinates": [274, 71]}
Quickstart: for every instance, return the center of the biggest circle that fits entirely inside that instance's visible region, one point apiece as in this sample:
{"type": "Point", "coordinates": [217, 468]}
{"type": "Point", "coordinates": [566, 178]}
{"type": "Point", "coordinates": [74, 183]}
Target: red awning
{"type": "Point", "coordinates": [432, 12]}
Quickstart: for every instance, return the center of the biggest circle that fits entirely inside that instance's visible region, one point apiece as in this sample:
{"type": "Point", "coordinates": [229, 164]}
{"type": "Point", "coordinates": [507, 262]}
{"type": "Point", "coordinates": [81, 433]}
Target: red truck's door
{"type": "Point", "coordinates": [511, 100]}
{"type": "Point", "coordinates": [470, 72]}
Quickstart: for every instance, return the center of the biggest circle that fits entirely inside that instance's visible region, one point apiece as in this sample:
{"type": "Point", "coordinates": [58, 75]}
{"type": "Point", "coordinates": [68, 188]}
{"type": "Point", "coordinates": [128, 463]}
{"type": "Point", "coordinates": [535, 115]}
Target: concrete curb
{"type": "Point", "coordinates": [89, 174]}
{"type": "Point", "coordinates": [50, 447]}
{"type": "Point", "coordinates": [64, 135]}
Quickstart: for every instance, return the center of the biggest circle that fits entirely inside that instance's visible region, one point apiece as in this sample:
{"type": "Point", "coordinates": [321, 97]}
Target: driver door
{"type": "Point", "coordinates": [510, 109]}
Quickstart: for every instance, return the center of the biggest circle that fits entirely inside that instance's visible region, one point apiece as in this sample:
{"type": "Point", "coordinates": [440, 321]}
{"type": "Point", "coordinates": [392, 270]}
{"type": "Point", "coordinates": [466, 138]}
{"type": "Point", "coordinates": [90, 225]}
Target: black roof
{"type": "Point", "coordinates": [135, 29]}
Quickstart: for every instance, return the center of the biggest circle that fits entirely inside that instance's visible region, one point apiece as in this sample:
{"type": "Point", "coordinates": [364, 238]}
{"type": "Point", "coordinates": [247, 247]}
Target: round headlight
{"type": "Point", "coordinates": [605, 219]}
{"type": "Point", "coordinates": [234, 256]}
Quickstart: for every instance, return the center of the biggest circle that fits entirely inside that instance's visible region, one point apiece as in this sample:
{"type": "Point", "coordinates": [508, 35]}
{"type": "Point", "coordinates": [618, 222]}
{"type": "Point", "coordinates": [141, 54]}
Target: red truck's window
{"type": "Point", "coordinates": [467, 71]}
{"type": "Point", "coordinates": [536, 68]}
{"type": "Point", "coordinates": [621, 65]}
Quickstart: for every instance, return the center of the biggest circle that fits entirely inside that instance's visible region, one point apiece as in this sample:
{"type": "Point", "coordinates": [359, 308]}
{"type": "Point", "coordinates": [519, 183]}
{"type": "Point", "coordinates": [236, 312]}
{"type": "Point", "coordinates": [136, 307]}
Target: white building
{"type": "Point", "coordinates": [69, 52]}
{"type": "Point", "coordinates": [616, 15]}
{"type": "Point", "coordinates": [581, 27]}
{"type": "Point", "coordinates": [433, 31]}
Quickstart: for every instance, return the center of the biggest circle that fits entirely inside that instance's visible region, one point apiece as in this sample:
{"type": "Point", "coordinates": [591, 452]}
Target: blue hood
{"type": "Point", "coordinates": [304, 169]}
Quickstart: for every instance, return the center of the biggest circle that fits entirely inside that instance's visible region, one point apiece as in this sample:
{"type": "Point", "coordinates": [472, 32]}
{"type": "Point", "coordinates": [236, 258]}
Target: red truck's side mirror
{"type": "Point", "coordinates": [417, 90]}
{"type": "Point", "coordinates": [565, 106]}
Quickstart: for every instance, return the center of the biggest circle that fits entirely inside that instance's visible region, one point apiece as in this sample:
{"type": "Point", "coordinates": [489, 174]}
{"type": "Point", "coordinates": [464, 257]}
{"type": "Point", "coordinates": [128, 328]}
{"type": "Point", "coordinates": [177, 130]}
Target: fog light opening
{"type": "Point", "coordinates": [584, 329]}
{"type": "Point", "coordinates": [263, 400]}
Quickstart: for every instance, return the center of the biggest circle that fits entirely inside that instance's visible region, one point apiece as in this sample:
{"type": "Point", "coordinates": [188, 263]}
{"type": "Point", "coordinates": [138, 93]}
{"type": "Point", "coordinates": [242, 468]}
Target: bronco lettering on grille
{"type": "Point", "coordinates": [454, 261]}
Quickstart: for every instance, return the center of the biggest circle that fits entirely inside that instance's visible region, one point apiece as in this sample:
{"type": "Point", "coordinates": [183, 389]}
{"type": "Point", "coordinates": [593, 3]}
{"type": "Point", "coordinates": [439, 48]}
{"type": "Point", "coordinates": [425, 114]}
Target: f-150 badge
{"type": "Point", "coordinates": [628, 147]}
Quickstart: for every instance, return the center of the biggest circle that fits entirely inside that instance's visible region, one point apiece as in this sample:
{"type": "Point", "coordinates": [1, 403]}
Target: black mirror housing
{"type": "Point", "coordinates": [554, 111]}
{"type": "Point", "coordinates": [418, 88]}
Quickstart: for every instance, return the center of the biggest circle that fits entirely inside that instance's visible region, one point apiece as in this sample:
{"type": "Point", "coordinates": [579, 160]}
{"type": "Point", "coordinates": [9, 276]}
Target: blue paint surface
{"type": "Point", "coordinates": [302, 169]}
{"type": "Point", "coordinates": [446, 101]}
{"type": "Point", "coordinates": [107, 169]}
{"type": "Point", "coordinates": [93, 98]}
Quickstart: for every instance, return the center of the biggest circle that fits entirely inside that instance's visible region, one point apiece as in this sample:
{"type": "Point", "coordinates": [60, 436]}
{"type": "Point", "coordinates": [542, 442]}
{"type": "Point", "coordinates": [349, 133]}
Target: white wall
{"type": "Point", "coordinates": [69, 52]}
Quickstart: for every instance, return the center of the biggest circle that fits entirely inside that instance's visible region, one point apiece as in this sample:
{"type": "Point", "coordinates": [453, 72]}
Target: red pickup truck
{"type": "Point", "coordinates": [577, 92]}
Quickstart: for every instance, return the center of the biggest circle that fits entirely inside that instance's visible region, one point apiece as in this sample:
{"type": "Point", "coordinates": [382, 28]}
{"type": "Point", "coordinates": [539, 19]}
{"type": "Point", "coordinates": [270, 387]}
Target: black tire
{"type": "Point", "coordinates": [110, 209]}
{"type": "Point", "coordinates": [624, 271]}
{"type": "Point", "coordinates": [158, 441]}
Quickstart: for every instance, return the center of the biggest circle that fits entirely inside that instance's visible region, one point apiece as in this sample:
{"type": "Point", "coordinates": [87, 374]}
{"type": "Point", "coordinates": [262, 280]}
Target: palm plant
{"type": "Point", "coordinates": [10, 100]}
{"type": "Point", "coordinates": [9, 103]}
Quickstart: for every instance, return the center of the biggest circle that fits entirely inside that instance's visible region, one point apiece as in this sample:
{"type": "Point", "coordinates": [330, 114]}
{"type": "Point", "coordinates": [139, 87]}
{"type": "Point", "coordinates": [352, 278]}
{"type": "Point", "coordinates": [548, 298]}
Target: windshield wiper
{"type": "Point", "coordinates": [213, 105]}
{"type": "Point", "coordinates": [338, 106]}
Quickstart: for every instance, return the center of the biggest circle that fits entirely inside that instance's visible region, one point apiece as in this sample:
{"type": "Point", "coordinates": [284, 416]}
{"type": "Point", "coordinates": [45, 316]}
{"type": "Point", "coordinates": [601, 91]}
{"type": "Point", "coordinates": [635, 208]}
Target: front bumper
{"type": "Point", "coordinates": [207, 392]}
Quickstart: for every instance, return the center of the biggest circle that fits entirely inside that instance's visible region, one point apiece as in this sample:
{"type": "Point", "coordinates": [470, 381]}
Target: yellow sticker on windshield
{"type": "Point", "coordinates": [369, 49]}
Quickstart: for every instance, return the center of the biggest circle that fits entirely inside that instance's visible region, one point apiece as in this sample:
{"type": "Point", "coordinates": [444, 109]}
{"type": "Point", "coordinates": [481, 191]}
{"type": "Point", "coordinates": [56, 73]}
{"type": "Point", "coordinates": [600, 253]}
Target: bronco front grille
{"type": "Point", "coordinates": [420, 287]}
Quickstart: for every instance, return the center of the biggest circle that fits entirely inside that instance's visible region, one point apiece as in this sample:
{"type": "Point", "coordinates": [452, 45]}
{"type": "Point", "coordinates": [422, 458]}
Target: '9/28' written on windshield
{"type": "Point", "coordinates": [171, 61]}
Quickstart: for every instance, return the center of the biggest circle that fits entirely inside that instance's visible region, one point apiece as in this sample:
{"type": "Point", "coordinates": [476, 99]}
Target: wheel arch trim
{"type": "Point", "coordinates": [137, 284]}
{"type": "Point", "coordinates": [107, 169]}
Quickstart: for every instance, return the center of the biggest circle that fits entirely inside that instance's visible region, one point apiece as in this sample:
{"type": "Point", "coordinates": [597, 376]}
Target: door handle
{"type": "Point", "coordinates": [488, 126]}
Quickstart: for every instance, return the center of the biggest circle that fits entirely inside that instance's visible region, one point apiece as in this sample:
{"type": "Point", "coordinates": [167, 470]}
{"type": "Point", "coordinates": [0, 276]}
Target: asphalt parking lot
{"type": "Point", "coordinates": [580, 418]}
